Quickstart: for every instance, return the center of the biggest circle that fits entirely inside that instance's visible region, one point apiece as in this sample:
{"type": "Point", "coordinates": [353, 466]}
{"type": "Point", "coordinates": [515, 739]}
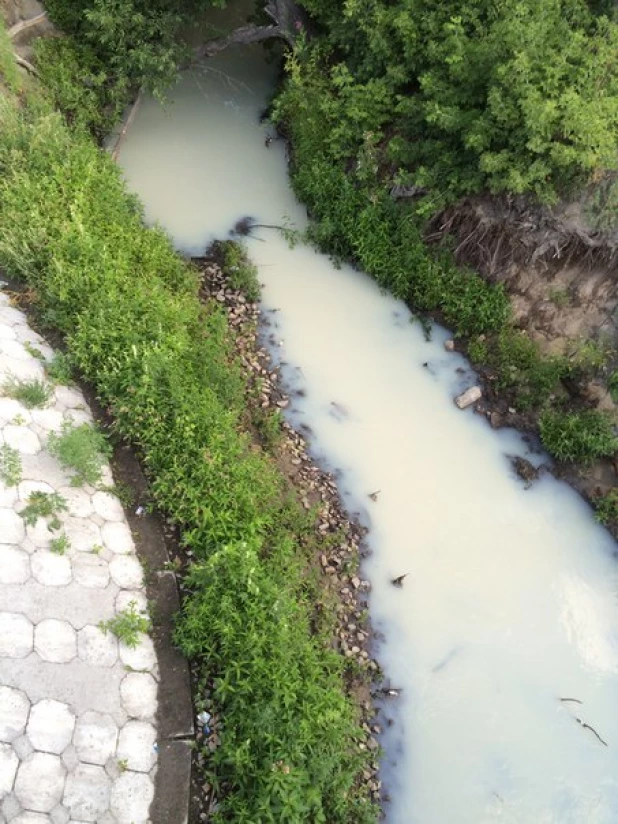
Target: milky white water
{"type": "Point", "coordinates": [511, 599]}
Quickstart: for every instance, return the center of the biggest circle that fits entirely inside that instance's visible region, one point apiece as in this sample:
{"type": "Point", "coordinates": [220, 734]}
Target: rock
{"type": "Point", "coordinates": [449, 345]}
{"type": "Point", "coordinates": [469, 397]}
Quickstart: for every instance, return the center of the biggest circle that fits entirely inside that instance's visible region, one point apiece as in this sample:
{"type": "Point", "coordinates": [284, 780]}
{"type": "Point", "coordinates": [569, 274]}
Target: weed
{"type": "Point", "coordinates": [31, 393]}
{"type": "Point", "coordinates": [578, 436]}
{"type": "Point", "coordinates": [268, 425]}
{"type": "Point", "coordinates": [123, 765]}
{"type": "Point", "coordinates": [81, 448]}
{"type": "Point", "coordinates": [43, 505]}
{"type": "Point", "coordinates": [612, 385]}
{"type": "Point", "coordinates": [60, 544]}
{"type": "Point", "coordinates": [559, 297]}
{"type": "Point", "coordinates": [606, 507]}
{"type": "Point", "coordinates": [590, 356]}
{"type": "Point", "coordinates": [241, 271]}
{"type": "Point", "coordinates": [34, 351]}
{"type": "Point", "coordinates": [59, 369]}
{"type": "Point", "coordinates": [10, 465]}
{"type": "Point", "coordinates": [19, 420]}
{"type": "Point", "coordinates": [127, 625]}
{"type": "Point", "coordinates": [96, 549]}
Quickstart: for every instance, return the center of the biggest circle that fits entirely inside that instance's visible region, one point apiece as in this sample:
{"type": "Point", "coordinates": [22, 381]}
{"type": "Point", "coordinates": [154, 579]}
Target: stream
{"type": "Point", "coordinates": [510, 600]}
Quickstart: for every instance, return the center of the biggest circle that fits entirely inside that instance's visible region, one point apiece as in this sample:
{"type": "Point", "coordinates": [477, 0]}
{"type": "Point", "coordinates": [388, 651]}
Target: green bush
{"type": "Point", "coordinates": [162, 364]}
{"type": "Point", "coordinates": [578, 436]}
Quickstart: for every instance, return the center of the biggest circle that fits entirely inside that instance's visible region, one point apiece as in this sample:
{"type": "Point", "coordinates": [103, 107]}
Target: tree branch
{"type": "Point", "coordinates": [25, 24]}
{"type": "Point", "coordinates": [25, 65]}
{"type": "Point", "coordinates": [287, 20]}
{"type": "Point", "coordinates": [242, 36]}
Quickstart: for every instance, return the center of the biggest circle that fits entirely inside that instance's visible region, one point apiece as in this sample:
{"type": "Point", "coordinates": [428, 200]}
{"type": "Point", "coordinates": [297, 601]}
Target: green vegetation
{"type": "Point", "coordinates": [9, 74]}
{"type": "Point", "coordinates": [520, 366]}
{"type": "Point", "coordinates": [242, 271]}
{"type": "Point", "coordinates": [31, 393]}
{"type": "Point", "coordinates": [127, 625]}
{"type": "Point", "coordinates": [607, 508]}
{"type": "Point", "coordinates": [10, 465]}
{"type": "Point", "coordinates": [578, 436]}
{"type": "Point", "coordinates": [43, 505]}
{"type": "Point", "coordinates": [162, 364]}
{"type": "Point", "coordinates": [81, 448]}
{"type": "Point", "coordinates": [460, 97]}
{"type": "Point", "coordinates": [59, 369]}
{"type": "Point", "coordinates": [60, 544]}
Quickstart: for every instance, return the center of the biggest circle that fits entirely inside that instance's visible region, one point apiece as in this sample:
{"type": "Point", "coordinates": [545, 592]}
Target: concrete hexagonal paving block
{"type": "Point", "coordinates": [48, 419]}
{"type": "Point", "coordinates": [82, 533]}
{"type": "Point", "coordinates": [23, 747]}
{"type": "Point", "coordinates": [22, 439]}
{"type": "Point", "coordinates": [50, 726]}
{"type": "Point", "coordinates": [139, 694]}
{"type": "Point", "coordinates": [87, 793]}
{"type": "Point", "coordinates": [90, 571]}
{"type": "Point", "coordinates": [14, 349]}
{"type": "Point", "coordinates": [14, 565]}
{"type": "Point", "coordinates": [8, 768]}
{"type": "Point", "coordinates": [95, 738]}
{"type": "Point", "coordinates": [16, 635]}
{"type": "Point", "coordinates": [10, 409]}
{"type": "Point", "coordinates": [60, 815]}
{"type": "Point", "coordinates": [12, 527]}
{"type": "Point", "coordinates": [26, 488]}
{"type": "Point", "coordinates": [136, 746]}
{"type": "Point", "coordinates": [7, 332]}
{"type": "Point", "coordinates": [21, 370]}
{"type": "Point", "coordinates": [51, 569]}
{"type": "Point", "coordinates": [126, 571]}
{"type": "Point", "coordinates": [30, 818]}
{"type": "Point", "coordinates": [141, 657]}
{"type": "Point", "coordinates": [96, 647]}
{"type": "Point", "coordinates": [79, 502]}
{"type": "Point", "coordinates": [55, 641]}
{"type": "Point", "coordinates": [14, 710]}
{"type": "Point", "coordinates": [132, 795]}
{"type": "Point", "coordinates": [8, 495]}
{"type": "Point", "coordinates": [39, 785]}
{"type": "Point", "coordinates": [126, 597]}
{"type": "Point", "coordinates": [10, 807]}
{"type": "Point", "coordinates": [66, 396]}
{"type": "Point", "coordinates": [8, 313]}
{"type": "Point", "coordinates": [40, 534]}
{"type": "Point", "coordinates": [117, 538]}
{"type": "Point", "coordinates": [108, 506]}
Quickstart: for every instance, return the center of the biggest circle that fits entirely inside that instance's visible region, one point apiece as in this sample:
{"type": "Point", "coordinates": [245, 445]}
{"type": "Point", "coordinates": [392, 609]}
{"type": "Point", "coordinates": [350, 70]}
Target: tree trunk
{"type": "Point", "coordinates": [287, 23]}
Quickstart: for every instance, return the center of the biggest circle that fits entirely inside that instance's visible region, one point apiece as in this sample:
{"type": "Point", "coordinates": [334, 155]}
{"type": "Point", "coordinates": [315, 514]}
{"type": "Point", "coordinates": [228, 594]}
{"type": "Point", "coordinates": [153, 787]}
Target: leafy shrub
{"type": "Point", "coordinates": [163, 365]}
{"type": "Point", "coordinates": [578, 436]}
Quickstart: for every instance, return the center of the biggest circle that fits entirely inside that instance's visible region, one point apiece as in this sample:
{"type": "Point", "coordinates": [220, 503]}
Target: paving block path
{"type": "Point", "coordinates": [77, 707]}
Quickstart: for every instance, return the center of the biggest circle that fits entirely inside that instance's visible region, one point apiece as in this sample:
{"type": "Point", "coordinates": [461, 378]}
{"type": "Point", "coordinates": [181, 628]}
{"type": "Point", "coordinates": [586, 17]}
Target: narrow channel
{"type": "Point", "coordinates": [510, 601]}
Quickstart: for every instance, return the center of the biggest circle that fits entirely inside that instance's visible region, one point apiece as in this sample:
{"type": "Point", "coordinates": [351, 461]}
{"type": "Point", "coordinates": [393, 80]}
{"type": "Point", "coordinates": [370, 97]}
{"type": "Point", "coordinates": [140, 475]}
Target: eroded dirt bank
{"type": "Point", "coordinates": [561, 276]}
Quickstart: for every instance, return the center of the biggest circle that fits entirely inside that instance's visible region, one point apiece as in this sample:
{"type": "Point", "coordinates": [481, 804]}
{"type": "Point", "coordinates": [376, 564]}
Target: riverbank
{"type": "Point", "coordinates": [163, 366]}
{"type": "Point", "coordinates": [548, 379]}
